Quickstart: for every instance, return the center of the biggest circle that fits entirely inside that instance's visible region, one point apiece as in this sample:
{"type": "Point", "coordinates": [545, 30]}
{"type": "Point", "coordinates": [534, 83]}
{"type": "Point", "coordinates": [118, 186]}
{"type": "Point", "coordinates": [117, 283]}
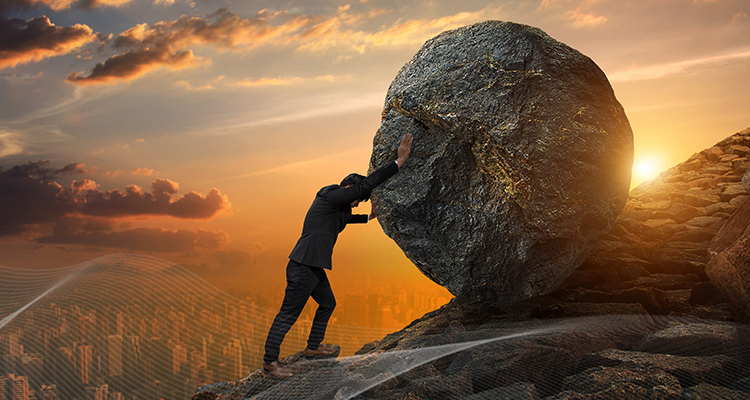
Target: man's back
{"type": "Point", "coordinates": [328, 215]}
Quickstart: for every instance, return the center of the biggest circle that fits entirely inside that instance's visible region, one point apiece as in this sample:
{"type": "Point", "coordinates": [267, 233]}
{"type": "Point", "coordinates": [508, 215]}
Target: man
{"type": "Point", "coordinates": [305, 273]}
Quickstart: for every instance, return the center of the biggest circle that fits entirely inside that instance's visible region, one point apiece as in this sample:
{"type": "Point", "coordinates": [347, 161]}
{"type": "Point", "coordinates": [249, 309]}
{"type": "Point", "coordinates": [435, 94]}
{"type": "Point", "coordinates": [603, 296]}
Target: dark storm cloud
{"type": "Point", "coordinates": [29, 196]}
{"type": "Point", "coordinates": [41, 170]}
{"type": "Point", "coordinates": [36, 39]}
{"type": "Point", "coordinates": [8, 6]}
{"type": "Point", "coordinates": [25, 200]}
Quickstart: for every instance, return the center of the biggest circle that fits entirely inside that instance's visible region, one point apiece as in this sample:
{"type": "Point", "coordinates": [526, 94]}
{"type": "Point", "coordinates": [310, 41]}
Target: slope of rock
{"type": "Point", "coordinates": [657, 250]}
{"type": "Point", "coordinates": [638, 320]}
{"type": "Point", "coordinates": [667, 224]}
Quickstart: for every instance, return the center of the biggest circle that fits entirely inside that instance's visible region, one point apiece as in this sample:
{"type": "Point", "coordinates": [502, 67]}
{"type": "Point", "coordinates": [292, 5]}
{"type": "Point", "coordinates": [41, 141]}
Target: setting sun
{"type": "Point", "coordinates": [646, 168]}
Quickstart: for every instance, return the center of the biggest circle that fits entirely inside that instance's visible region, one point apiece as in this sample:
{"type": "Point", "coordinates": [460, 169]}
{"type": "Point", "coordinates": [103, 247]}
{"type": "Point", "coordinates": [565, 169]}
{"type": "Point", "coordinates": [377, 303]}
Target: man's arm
{"type": "Point", "coordinates": [347, 195]}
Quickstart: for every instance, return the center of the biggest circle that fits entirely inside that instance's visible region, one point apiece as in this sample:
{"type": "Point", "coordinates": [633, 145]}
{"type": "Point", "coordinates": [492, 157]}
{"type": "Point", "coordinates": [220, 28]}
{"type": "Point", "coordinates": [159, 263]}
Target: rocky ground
{"type": "Point", "coordinates": [638, 320]}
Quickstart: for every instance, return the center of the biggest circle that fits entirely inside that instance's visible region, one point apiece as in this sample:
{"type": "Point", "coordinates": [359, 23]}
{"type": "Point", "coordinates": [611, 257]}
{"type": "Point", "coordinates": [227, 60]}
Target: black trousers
{"type": "Point", "coordinates": [302, 282]}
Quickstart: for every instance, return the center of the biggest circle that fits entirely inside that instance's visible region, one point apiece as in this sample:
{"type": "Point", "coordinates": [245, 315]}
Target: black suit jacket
{"type": "Point", "coordinates": [328, 215]}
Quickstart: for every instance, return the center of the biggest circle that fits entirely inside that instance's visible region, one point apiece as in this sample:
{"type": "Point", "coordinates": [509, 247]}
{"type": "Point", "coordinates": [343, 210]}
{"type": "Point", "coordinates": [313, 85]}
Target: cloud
{"type": "Point", "coordinates": [289, 81]}
{"type": "Point", "coordinates": [90, 4]}
{"type": "Point", "coordinates": [134, 201]}
{"type": "Point", "coordinates": [661, 70]}
{"type": "Point", "coordinates": [166, 43]}
{"type": "Point", "coordinates": [26, 198]}
{"type": "Point", "coordinates": [10, 143]}
{"type": "Point", "coordinates": [41, 171]}
{"type": "Point", "coordinates": [83, 185]}
{"type": "Point", "coordinates": [7, 6]}
{"type": "Point", "coordinates": [163, 43]}
{"type": "Point", "coordinates": [576, 12]}
{"type": "Point", "coordinates": [36, 39]}
{"type": "Point", "coordinates": [22, 138]}
{"type": "Point", "coordinates": [142, 171]}
{"type": "Point", "coordinates": [145, 239]}
{"type": "Point", "coordinates": [584, 20]}
{"type": "Point", "coordinates": [29, 197]}
{"type": "Point", "coordinates": [270, 82]}
{"type": "Point", "coordinates": [188, 86]}
{"type": "Point", "coordinates": [222, 28]}
{"type": "Point", "coordinates": [133, 64]}
{"type": "Point", "coordinates": [329, 33]}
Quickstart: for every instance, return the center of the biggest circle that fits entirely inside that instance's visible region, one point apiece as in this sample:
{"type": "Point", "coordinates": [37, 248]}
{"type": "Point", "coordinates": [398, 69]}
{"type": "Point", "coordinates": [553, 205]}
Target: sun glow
{"type": "Point", "coordinates": [646, 168]}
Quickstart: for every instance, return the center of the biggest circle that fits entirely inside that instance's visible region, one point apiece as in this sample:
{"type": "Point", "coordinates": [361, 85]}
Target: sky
{"type": "Point", "coordinates": [200, 131]}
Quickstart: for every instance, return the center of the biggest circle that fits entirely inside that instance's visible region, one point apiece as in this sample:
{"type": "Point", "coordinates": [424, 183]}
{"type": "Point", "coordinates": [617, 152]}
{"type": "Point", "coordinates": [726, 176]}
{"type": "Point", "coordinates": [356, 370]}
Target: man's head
{"type": "Point", "coordinates": [353, 179]}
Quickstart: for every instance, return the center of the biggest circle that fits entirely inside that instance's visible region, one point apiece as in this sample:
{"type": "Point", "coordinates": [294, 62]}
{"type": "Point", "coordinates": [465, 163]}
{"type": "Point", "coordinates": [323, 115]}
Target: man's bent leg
{"type": "Point", "coordinates": [300, 283]}
{"type": "Point", "coordinates": [323, 295]}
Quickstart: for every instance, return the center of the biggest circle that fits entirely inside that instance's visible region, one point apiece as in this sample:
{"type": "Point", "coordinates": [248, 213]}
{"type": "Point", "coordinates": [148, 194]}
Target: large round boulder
{"type": "Point", "coordinates": [521, 160]}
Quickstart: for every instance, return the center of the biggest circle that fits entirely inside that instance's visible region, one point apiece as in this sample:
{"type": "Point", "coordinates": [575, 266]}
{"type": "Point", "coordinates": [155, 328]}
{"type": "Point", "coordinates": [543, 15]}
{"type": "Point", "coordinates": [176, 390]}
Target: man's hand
{"type": "Point", "coordinates": [403, 149]}
{"type": "Point", "coordinates": [374, 208]}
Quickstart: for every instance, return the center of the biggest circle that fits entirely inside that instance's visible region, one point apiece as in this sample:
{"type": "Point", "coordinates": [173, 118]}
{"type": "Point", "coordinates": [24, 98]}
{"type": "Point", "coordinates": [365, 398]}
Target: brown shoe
{"type": "Point", "coordinates": [322, 351]}
{"type": "Point", "coordinates": [277, 369]}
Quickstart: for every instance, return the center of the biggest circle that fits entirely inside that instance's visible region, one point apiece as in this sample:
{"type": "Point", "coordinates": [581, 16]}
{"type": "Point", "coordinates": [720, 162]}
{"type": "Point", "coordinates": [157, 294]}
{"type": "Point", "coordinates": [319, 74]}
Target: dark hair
{"type": "Point", "coordinates": [353, 179]}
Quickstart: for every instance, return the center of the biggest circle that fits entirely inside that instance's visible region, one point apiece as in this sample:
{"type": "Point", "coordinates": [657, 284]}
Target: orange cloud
{"type": "Point", "coordinates": [55, 5]}
{"type": "Point", "coordinates": [674, 68]}
{"type": "Point", "coordinates": [89, 4]}
{"type": "Point", "coordinates": [188, 86]}
{"type": "Point", "coordinates": [581, 20]}
{"type": "Point", "coordinates": [83, 185]}
{"type": "Point", "coordinates": [288, 81]}
{"type": "Point", "coordinates": [576, 13]}
{"type": "Point", "coordinates": [142, 171]}
{"type": "Point", "coordinates": [157, 202]}
{"type": "Point", "coordinates": [164, 42]}
{"type": "Point", "coordinates": [329, 34]}
{"type": "Point", "coordinates": [222, 28]}
{"type": "Point", "coordinates": [133, 64]}
{"type": "Point", "coordinates": [112, 175]}
{"type": "Point", "coordinates": [22, 42]}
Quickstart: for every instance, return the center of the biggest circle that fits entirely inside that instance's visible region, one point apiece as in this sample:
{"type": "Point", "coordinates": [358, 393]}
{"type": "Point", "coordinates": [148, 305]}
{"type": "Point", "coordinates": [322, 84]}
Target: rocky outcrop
{"type": "Point", "coordinates": [668, 223]}
{"type": "Point", "coordinates": [310, 382]}
{"type": "Point", "coordinates": [636, 356]}
{"type": "Point", "coordinates": [729, 268]}
{"type": "Point", "coordinates": [662, 241]}
{"type": "Point", "coordinates": [521, 160]}
{"type": "Point", "coordinates": [620, 383]}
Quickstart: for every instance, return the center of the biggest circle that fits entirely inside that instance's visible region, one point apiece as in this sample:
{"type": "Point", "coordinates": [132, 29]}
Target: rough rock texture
{"type": "Point", "coordinates": [521, 160]}
{"type": "Point", "coordinates": [729, 269]}
{"type": "Point", "coordinates": [311, 382]}
{"type": "Point", "coordinates": [704, 391]}
{"type": "Point", "coordinates": [603, 357]}
{"type": "Point", "coordinates": [690, 371]}
{"type": "Point", "coordinates": [620, 383]}
{"type": "Point", "coordinates": [695, 340]}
